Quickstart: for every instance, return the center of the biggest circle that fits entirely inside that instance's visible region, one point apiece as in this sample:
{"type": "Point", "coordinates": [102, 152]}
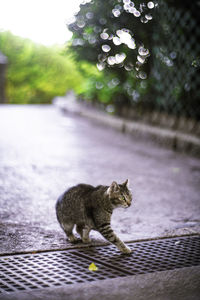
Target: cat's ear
{"type": "Point", "coordinates": [113, 188]}
{"type": "Point", "coordinates": [126, 183]}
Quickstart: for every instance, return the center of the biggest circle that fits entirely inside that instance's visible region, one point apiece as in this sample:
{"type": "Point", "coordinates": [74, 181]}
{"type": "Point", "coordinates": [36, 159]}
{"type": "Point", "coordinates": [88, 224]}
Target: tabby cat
{"type": "Point", "coordinates": [90, 207]}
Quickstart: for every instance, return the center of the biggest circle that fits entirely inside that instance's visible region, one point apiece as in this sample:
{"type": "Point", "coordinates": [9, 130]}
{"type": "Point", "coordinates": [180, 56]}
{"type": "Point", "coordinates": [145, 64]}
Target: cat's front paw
{"type": "Point", "coordinates": [126, 250]}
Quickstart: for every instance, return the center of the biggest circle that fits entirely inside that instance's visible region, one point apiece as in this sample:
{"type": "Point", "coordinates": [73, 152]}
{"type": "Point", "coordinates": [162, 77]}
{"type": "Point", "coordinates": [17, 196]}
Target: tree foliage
{"type": "Point", "coordinates": [36, 74]}
{"type": "Point", "coordinates": [114, 36]}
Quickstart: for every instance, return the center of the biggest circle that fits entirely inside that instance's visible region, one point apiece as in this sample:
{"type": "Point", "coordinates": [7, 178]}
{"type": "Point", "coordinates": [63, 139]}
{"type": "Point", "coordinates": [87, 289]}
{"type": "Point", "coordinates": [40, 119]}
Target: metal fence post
{"type": "Point", "coordinates": [3, 65]}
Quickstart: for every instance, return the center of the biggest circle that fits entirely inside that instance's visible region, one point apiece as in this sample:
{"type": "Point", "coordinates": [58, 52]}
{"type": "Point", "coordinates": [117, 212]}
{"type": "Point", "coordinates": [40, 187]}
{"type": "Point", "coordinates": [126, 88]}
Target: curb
{"type": "Point", "coordinates": [175, 140]}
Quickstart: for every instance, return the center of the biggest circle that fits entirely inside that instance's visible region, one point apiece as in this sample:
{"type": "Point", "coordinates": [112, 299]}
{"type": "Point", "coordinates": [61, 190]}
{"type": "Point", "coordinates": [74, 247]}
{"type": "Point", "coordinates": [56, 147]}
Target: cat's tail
{"type": "Point", "coordinates": [58, 208]}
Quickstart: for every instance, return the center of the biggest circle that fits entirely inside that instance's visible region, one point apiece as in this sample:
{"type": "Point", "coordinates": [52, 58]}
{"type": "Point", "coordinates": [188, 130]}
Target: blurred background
{"type": "Point", "coordinates": [138, 59]}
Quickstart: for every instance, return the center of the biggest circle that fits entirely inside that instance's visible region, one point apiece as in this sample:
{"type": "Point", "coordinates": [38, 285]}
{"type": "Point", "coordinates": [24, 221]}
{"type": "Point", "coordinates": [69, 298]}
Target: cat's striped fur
{"type": "Point", "coordinates": [90, 207]}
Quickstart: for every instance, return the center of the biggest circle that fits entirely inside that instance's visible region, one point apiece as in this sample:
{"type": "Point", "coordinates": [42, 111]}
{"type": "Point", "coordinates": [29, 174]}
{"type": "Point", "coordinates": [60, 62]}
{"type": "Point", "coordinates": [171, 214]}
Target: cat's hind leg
{"type": "Point", "coordinates": [68, 230]}
{"type": "Point", "coordinates": [79, 229]}
{"type": "Point", "coordinates": [85, 236]}
{"type": "Point", "coordinates": [84, 231]}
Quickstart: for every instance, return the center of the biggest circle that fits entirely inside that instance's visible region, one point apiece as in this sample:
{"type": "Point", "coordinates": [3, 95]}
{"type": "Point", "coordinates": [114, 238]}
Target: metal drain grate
{"type": "Point", "coordinates": [148, 257]}
{"type": "Point", "coordinates": [41, 270]}
{"type": "Point", "coordinates": [58, 268]}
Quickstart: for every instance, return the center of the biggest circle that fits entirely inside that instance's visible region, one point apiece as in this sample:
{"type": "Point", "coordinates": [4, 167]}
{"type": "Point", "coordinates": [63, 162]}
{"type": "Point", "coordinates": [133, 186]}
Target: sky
{"type": "Point", "coordinates": [43, 21]}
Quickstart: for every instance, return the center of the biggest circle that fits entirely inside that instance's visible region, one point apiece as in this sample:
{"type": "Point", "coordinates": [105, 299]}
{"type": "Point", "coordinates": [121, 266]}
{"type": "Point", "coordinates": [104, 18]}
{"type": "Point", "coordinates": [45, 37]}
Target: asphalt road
{"type": "Point", "coordinates": [43, 152]}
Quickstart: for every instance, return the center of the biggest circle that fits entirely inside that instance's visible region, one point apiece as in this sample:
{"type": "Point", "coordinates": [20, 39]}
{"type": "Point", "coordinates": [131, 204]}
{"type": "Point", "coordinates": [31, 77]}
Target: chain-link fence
{"type": "Point", "coordinates": [176, 55]}
{"type": "Point", "coordinates": [173, 97]}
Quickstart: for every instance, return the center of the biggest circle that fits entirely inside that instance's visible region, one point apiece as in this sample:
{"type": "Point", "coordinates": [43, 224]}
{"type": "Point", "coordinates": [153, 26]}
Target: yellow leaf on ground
{"type": "Point", "coordinates": [93, 267]}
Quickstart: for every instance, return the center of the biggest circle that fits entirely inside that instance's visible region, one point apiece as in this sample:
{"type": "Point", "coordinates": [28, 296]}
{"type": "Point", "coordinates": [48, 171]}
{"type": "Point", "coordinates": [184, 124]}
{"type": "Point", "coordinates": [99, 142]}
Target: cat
{"type": "Point", "coordinates": [90, 207]}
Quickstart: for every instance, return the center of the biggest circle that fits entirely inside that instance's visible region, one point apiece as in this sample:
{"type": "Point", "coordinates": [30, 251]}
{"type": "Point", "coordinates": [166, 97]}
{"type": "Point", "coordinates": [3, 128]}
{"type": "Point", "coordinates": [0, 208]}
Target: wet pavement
{"type": "Point", "coordinates": [43, 152]}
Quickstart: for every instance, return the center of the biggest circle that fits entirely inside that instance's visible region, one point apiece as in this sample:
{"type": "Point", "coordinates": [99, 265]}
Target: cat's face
{"type": "Point", "coordinates": [119, 194]}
